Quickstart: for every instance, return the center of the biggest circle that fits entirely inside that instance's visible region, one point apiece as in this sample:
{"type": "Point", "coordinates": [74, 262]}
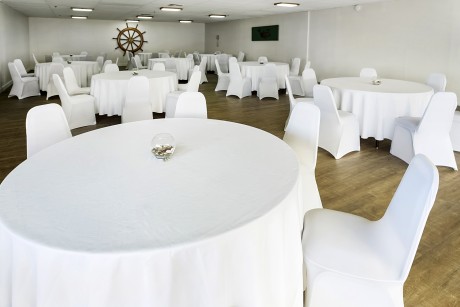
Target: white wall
{"type": "Point", "coordinates": [14, 42]}
{"type": "Point", "coordinates": [405, 39]}
{"type": "Point", "coordinates": [69, 36]}
{"type": "Point", "coordinates": [235, 36]}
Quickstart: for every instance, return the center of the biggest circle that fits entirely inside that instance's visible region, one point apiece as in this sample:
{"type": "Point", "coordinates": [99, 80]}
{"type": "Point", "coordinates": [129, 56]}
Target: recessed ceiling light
{"type": "Point", "coordinates": [79, 17]}
{"type": "Point", "coordinates": [217, 16]}
{"type": "Point", "coordinates": [144, 17]}
{"type": "Point", "coordinates": [171, 9]}
{"type": "Point", "coordinates": [185, 21]}
{"type": "Point", "coordinates": [132, 21]}
{"type": "Point", "coordinates": [286, 4]}
{"type": "Point", "coordinates": [80, 9]}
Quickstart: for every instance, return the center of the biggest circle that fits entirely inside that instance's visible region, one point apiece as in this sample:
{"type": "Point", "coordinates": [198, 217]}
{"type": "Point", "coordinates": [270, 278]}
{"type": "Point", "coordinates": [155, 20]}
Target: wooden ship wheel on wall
{"type": "Point", "coordinates": [130, 39]}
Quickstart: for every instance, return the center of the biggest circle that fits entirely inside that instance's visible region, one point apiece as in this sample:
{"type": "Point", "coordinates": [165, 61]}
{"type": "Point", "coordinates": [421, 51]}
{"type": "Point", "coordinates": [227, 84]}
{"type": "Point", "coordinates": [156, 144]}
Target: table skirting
{"type": "Point", "coordinates": [254, 70]}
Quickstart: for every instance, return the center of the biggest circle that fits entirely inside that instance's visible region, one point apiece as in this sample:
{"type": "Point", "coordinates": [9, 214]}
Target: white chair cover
{"type": "Point", "coordinates": [354, 262]}
{"type": "Point", "coordinates": [223, 79]}
{"type": "Point", "coordinates": [455, 131]}
{"type": "Point", "coordinates": [138, 63]}
{"type": "Point", "coordinates": [204, 60]}
{"type": "Point", "coordinates": [79, 109]}
{"type": "Point", "coordinates": [106, 62]}
{"type": "Point", "coordinates": [295, 67]}
{"type": "Point", "coordinates": [268, 84]}
{"type": "Point", "coordinates": [170, 65]}
{"type": "Point", "coordinates": [293, 101]}
{"type": "Point", "coordinates": [163, 54]}
{"type": "Point", "coordinates": [302, 133]}
{"type": "Point", "coordinates": [45, 126]}
{"type": "Point", "coordinates": [428, 135]}
{"type": "Point", "coordinates": [35, 59]}
{"type": "Point", "coordinates": [437, 81]}
{"type": "Point", "coordinates": [223, 62]}
{"type": "Point", "coordinates": [55, 68]}
{"type": "Point", "coordinates": [191, 105]}
{"type": "Point", "coordinates": [23, 87]}
{"type": "Point", "coordinates": [71, 84]}
{"type": "Point", "coordinates": [100, 60]}
{"type": "Point", "coordinates": [111, 67]}
{"type": "Point", "coordinates": [159, 66]}
{"type": "Point", "coordinates": [137, 103]}
{"type": "Point", "coordinates": [21, 69]}
{"type": "Point", "coordinates": [339, 130]}
{"type": "Point", "coordinates": [171, 99]}
{"type": "Point", "coordinates": [240, 56]}
{"type": "Point", "coordinates": [368, 73]}
{"type": "Point", "coordinates": [303, 85]}
{"type": "Point", "coordinates": [238, 85]}
{"type": "Point", "coordinates": [262, 59]}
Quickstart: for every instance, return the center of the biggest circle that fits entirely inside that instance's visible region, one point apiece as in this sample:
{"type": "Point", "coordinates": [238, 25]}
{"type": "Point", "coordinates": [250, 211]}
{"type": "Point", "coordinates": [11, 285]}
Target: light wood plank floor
{"type": "Point", "coordinates": [362, 183]}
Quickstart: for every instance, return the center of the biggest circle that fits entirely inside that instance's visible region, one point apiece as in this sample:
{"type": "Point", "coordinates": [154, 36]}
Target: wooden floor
{"type": "Point", "coordinates": [362, 183]}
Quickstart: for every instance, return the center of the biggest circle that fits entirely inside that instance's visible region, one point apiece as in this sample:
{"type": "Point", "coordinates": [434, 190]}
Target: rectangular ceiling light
{"type": "Point", "coordinates": [185, 21]}
{"type": "Point", "coordinates": [217, 16]}
{"type": "Point", "coordinates": [79, 9]}
{"type": "Point", "coordinates": [286, 4]}
{"type": "Point", "coordinates": [144, 17]}
{"type": "Point", "coordinates": [171, 9]}
{"type": "Point", "coordinates": [132, 21]}
{"type": "Point", "coordinates": [79, 17]}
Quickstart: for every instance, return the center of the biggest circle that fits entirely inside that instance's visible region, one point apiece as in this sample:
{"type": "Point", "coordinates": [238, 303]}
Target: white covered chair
{"type": "Point", "coordinates": [238, 85]}
{"type": "Point", "coordinates": [71, 84]}
{"type": "Point", "coordinates": [21, 69]}
{"type": "Point", "coordinates": [292, 100]}
{"type": "Point", "coordinates": [23, 87]}
{"type": "Point", "coordinates": [339, 130]}
{"type": "Point", "coordinates": [35, 59]}
{"type": "Point", "coordinates": [368, 72]}
{"type": "Point", "coordinates": [302, 133]}
{"type": "Point", "coordinates": [159, 66]}
{"type": "Point", "coordinates": [191, 105]}
{"type": "Point", "coordinates": [137, 63]}
{"type": "Point", "coordinates": [137, 102]}
{"type": "Point", "coordinates": [223, 62]}
{"type": "Point", "coordinates": [78, 109]}
{"type": "Point", "coordinates": [262, 59]}
{"type": "Point", "coordinates": [303, 85]}
{"type": "Point", "coordinates": [100, 60]}
{"type": "Point", "coordinates": [171, 99]}
{"type": "Point", "coordinates": [163, 54]}
{"type": "Point", "coordinates": [455, 131]}
{"type": "Point", "coordinates": [204, 61]}
{"type": "Point", "coordinates": [354, 262]}
{"type": "Point", "coordinates": [170, 65]}
{"type": "Point", "coordinates": [55, 68]}
{"type": "Point", "coordinates": [429, 134]}
{"type": "Point", "coordinates": [45, 125]}
{"type": "Point", "coordinates": [223, 79]}
{"type": "Point", "coordinates": [295, 67]}
{"type": "Point", "coordinates": [106, 62]}
{"type": "Point", "coordinates": [437, 81]}
{"type": "Point", "coordinates": [240, 56]}
{"type": "Point", "coordinates": [111, 67]}
{"type": "Point", "coordinates": [268, 83]}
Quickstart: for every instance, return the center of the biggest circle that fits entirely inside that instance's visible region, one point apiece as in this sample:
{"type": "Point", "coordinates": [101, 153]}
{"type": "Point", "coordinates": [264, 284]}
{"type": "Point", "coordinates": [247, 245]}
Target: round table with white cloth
{"type": "Point", "coordinates": [96, 220]}
{"type": "Point", "coordinates": [74, 57]}
{"type": "Point", "coordinates": [254, 70]}
{"type": "Point", "coordinates": [109, 90]}
{"type": "Point", "coordinates": [183, 65]}
{"type": "Point", "coordinates": [211, 64]}
{"type": "Point", "coordinates": [377, 106]}
{"type": "Point", "coordinates": [145, 56]}
{"type": "Point", "coordinates": [83, 70]}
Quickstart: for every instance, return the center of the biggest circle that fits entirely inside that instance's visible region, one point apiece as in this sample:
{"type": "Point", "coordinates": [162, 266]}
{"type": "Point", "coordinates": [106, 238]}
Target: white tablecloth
{"type": "Point", "coordinates": [97, 221]}
{"type": "Point", "coordinates": [109, 90]}
{"type": "Point", "coordinates": [377, 106]}
{"type": "Point", "coordinates": [73, 57]}
{"type": "Point", "coordinates": [145, 56]}
{"type": "Point", "coordinates": [182, 65]}
{"type": "Point", "coordinates": [84, 70]}
{"type": "Point", "coordinates": [254, 70]}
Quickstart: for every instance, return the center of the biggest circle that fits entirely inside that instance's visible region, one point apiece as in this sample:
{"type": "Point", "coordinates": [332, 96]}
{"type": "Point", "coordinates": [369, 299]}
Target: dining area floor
{"type": "Point", "coordinates": [361, 183]}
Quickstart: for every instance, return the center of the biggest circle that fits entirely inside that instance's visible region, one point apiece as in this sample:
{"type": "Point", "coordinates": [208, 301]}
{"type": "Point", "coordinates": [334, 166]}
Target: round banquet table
{"type": "Point", "coordinates": [377, 106]}
{"type": "Point", "coordinates": [144, 56]}
{"type": "Point", "coordinates": [211, 64]}
{"type": "Point", "coordinates": [109, 90]}
{"type": "Point", "coordinates": [183, 65]}
{"type": "Point", "coordinates": [96, 220]}
{"type": "Point", "coordinates": [84, 70]}
{"type": "Point", "coordinates": [254, 70]}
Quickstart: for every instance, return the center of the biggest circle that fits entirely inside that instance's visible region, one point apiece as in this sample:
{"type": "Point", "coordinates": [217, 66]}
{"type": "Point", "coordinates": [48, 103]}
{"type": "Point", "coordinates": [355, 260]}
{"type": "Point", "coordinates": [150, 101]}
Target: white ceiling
{"type": "Point", "coordinates": [196, 10]}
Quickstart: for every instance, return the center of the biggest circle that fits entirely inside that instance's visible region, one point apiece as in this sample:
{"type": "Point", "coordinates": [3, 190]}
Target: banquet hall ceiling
{"type": "Point", "coordinates": [196, 10]}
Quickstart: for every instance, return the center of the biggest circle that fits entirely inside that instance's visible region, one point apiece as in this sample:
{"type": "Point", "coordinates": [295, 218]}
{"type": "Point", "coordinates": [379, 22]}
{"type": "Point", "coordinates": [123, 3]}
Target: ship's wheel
{"type": "Point", "coordinates": [130, 39]}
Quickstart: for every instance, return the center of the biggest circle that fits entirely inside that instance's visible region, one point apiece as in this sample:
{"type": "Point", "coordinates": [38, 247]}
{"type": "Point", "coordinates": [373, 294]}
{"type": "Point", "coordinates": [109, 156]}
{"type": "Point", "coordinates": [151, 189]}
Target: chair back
{"type": "Point", "coordinates": [20, 66]}
{"type": "Point", "coordinates": [368, 72]}
{"type": "Point", "coordinates": [159, 66]}
{"type": "Point", "coordinates": [204, 60]}
{"type": "Point", "coordinates": [63, 96]}
{"type": "Point", "coordinates": [408, 211]}
{"type": "Point", "coordinates": [190, 56]}
{"type": "Point", "coordinates": [191, 105]}
{"type": "Point", "coordinates": [70, 81]}
{"type": "Point", "coordinates": [100, 60]}
{"type": "Point", "coordinates": [14, 72]}
{"type": "Point", "coordinates": [302, 133]}
{"type": "Point", "coordinates": [106, 62]}
{"type": "Point", "coordinates": [56, 68]}
{"type": "Point", "coordinates": [170, 65]}
{"type": "Point", "coordinates": [223, 62]}
{"type": "Point", "coordinates": [234, 68]}
{"type": "Point", "coordinates": [295, 67]}
{"type": "Point", "coordinates": [138, 91]}
{"type": "Point", "coordinates": [163, 54]}
{"type": "Point", "coordinates": [240, 56]}
{"type": "Point", "coordinates": [196, 58]}
{"type": "Point", "coordinates": [111, 67]}
{"type": "Point", "coordinates": [309, 81]}
{"type": "Point", "coordinates": [269, 72]}
{"type": "Point", "coordinates": [292, 101]}
{"type": "Point", "coordinates": [194, 82]}
{"type": "Point", "coordinates": [439, 114]}
{"type": "Point", "coordinates": [325, 101]}
{"type": "Point", "coordinates": [45, 125]}
{"type": "Point", "coordinates": [219, 71]}
{"type": "Point", "coordinates": [262, 59]}
{"type": "Point", "coordinates": [437, 81]}
{"type": "Point", "coordinates": [35, 59]}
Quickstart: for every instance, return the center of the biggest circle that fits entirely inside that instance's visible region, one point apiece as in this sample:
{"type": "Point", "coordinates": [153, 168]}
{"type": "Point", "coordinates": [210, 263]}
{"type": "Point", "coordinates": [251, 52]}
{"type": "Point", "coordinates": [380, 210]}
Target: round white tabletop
{"type": "Point", "coordinates": [377, 106]}
{"type": "Point", "coordinates": [254, 70]}
{"type": "Point", "coordinates": [109, 90]}
{"type": "Point", "coordinates": [98, 210]}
